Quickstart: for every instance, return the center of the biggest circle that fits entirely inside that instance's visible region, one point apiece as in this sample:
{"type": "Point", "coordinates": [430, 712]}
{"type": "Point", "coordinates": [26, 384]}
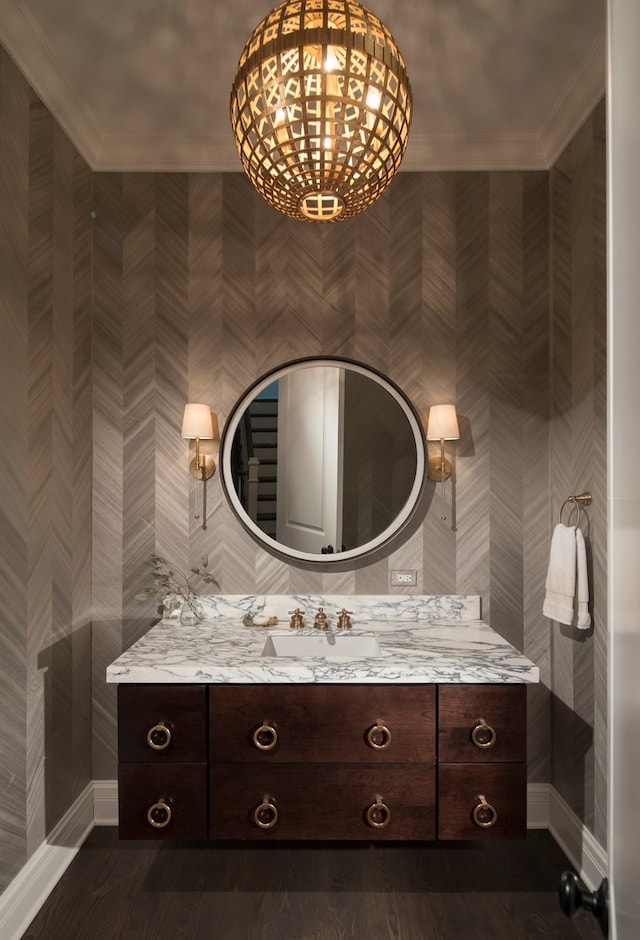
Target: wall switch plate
{"type": "Point", "coordinates": [406, 578]}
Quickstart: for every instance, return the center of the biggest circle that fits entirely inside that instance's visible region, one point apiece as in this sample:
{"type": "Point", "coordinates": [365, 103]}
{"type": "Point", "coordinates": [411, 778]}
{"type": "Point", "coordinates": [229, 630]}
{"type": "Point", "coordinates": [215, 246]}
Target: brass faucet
{"type": "Point", "coordinates": [296, 619]}
{"type": "Point", "coordinates": [320, 621]}
{"type": "Point", "coordinates": [344, 619]}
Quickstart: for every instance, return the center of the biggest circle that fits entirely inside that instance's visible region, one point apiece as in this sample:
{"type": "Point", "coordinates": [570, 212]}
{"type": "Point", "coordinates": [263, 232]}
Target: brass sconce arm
{"type": "Point", "coordinates": [439, 468]}
{"type": "Point", "coordinates": [203, 466]}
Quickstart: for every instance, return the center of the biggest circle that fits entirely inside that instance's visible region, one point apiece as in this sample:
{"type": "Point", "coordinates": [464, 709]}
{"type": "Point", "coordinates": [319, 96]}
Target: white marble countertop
{"type": "Point", "coordinates": [422, 639]}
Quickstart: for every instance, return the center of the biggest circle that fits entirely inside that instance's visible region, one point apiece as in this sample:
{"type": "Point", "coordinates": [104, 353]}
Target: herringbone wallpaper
{"type": "Point", "coordinates": [45, 472]}
{"type": "Point", "coordinates": [577, 449]}
{"type": "Point", "coordinates": [124, 295]}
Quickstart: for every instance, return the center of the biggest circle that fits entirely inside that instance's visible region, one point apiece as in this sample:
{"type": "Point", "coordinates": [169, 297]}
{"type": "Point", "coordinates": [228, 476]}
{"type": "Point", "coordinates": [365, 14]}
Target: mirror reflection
{"type": "Point", "coordinates": [323, 460]}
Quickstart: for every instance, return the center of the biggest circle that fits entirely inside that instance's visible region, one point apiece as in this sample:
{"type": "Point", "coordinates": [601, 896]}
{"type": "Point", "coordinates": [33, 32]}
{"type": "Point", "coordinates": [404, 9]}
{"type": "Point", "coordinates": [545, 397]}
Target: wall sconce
{"type": "Point", "coordinates": [197, 425]}
{"type": "Point", "coordinates": [442, 426]}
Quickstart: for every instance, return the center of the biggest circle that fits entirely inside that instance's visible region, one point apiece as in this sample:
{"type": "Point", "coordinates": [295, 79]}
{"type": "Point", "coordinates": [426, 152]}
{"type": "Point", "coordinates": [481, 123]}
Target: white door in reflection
{"type": "Point", "coordinates": [310, 458]}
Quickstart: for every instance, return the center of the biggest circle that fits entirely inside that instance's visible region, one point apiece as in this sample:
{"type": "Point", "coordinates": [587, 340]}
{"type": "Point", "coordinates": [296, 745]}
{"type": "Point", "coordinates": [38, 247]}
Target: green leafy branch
{"type": "Point", "coordinates": [166, 579]}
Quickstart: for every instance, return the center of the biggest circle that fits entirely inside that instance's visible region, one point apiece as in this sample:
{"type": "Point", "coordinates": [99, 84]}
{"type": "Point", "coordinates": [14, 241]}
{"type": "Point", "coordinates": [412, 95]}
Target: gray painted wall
{"type": "Point", "coordinates": [482, 288]}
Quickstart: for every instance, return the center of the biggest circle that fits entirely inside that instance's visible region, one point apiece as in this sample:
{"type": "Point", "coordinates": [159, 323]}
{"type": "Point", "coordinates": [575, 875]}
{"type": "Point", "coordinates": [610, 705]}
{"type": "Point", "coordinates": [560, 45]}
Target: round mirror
{"type": "Point", "coordinates": [323, 460]}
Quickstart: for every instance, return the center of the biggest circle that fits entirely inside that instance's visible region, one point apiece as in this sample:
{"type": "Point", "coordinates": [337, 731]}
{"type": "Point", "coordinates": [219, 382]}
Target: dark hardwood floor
{"type": "Point", "coordinates": [200, 891]}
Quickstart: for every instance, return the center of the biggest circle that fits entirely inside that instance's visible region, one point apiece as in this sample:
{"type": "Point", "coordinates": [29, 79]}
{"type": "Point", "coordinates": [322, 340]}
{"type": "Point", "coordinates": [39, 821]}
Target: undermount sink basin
{"type": "Point", "coordinates": [323, 645]}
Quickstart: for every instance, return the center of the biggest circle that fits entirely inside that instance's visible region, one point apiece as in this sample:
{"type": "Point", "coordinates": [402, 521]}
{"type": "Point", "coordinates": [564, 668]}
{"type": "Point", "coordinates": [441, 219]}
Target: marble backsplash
{"type": "Point", "coordinates": [413, 608]}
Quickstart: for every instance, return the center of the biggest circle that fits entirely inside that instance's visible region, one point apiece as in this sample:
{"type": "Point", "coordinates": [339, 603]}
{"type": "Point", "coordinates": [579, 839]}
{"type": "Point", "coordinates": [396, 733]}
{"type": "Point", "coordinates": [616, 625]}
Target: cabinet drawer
{"type": "Point", "coordinates": [322, 802]}
{"type": "Point", "coordinates": [462, 709]}
{"type": "Point", "coordinates": [173, 796]}
{"type": "Point", "coordinates": [162, 723]}
{"type": "Point", "coordinates": [465, 788]}
{"type": "Point", "coordinates": [320, 723]}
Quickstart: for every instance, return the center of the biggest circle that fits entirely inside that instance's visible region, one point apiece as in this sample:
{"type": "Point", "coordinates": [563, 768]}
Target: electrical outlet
{"type": "Point", "coordinates": [407, 578]}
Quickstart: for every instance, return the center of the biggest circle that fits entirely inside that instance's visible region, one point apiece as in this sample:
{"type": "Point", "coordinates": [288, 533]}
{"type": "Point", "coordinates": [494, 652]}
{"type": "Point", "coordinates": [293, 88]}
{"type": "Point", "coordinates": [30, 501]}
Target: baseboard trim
{"type": "Point", "coordinates": [28, 891]}
{"type": "Point", "coordinates": [105, 802]}
{"type": "Point", "coordinates": [98, 805]}
{"type": "Point", "coordinates": [538, 798]}
{"type": "Point", "coordinates": [584, 851]}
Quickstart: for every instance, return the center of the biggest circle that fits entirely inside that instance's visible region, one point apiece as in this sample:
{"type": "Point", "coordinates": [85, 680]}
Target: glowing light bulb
{"type": "Point", "coordinates": [373, 98]}
{"type": "Point", "coordinates": [330, 61]}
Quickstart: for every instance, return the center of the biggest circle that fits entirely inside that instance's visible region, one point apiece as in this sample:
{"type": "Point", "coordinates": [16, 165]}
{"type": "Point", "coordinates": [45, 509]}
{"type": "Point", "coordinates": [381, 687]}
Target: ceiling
{"type": "Point", "coordinates": [144, 84]}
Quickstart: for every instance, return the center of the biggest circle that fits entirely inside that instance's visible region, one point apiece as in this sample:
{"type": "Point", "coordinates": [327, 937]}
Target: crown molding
{"type": "Point", "coordinates": [216, 153]}
{"type": "Point", "coordinates": [576, 103]}
{"type": "Point", "coordinates": [213, 153]}
{"type": "Point", "coordinates": [460, 152]}
{"type": "Point", "coordinates": [28, 47]}
{"type": "Point", "coordinates": [518, 151]}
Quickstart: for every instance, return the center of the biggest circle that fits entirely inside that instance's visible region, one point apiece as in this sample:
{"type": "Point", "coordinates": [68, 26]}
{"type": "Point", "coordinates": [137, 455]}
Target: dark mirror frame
{"type": "Point", "coordinates": [390, 535]}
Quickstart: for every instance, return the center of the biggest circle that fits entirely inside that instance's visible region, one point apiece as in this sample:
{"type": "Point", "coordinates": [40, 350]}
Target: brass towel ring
{"type": "Point", "coordinates": [581, 499]}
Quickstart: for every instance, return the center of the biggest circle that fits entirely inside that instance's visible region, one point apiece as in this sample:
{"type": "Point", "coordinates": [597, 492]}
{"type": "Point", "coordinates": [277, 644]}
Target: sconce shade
{"type": "Point", "coordinates": [443, 423]}
{"type": "Point", "coordinates": [197, 421]}
{"type": "Point", "coordinates": [320, 108]}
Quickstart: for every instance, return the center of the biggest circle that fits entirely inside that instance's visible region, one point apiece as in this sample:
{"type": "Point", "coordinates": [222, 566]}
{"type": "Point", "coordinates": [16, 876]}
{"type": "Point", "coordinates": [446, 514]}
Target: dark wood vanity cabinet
{"type": "Point", "coordinates": [348, 762]}
{"type": "Point", "coordinates": [482, 771]}
{"type": "Point", "coordinates": [162, 754]}
{"type": "Point", "coordinates": [323, 723]}
{"type": "Point", "coordinates": [322, 762]}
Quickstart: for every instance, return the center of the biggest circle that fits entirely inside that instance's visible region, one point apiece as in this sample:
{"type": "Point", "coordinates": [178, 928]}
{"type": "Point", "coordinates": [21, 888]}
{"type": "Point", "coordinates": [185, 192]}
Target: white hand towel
{"type": "Point", "coordinates": [561, 576]}
{"type": "Point", "coordinates": [584, 617]}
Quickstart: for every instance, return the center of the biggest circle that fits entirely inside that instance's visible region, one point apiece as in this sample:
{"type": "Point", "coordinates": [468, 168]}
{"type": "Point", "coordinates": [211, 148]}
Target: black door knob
{"type": "Point", "coordinates": [574, 894]}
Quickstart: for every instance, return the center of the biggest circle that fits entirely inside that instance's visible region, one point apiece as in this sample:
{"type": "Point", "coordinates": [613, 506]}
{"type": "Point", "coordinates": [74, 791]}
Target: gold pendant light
{"type": "Point", "coordinates": [321, 108]}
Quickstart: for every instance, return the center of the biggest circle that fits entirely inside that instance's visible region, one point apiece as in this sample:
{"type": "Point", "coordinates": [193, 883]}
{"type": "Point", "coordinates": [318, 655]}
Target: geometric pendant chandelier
{"type": "Point", "coordinates": [321, 108]}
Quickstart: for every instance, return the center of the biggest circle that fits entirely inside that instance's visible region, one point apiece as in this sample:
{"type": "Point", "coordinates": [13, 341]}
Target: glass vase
{"type": "Point", "coordinates": [191, 612]}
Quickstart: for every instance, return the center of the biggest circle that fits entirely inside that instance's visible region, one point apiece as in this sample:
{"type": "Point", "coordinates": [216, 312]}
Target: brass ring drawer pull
{"type": "Point", "coordinates": [378, 814]}
{"type": "Point", "coordinates": [483, 735]}
{"type": "Point", "coordinates": [379, 736]}
{"type": "Point", "coordinates": [159, 737]}
{"type": "Point", "coordinates": [266, 814]}
{"type": "Point", "coordinates": [159, 814]}
{"type": "Point", "coordinates": [484, 814]}
{"type": "Point", "coordinates": [265, 737]}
